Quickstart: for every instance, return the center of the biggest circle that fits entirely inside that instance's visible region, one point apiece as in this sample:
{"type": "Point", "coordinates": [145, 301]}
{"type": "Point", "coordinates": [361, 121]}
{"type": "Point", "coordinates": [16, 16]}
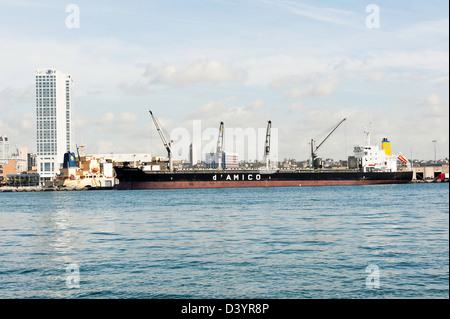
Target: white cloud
{"type": "Point", "coordinates": [103, 146]}
{"type": "Point", "coordinates": [322, 88]}
{"type": "Point", "coordinates": [428, 121]}
{"type": "Point", "coordinates": [298, 106]}
{"type": "Point", "coordinates": [426, 29]}
{"type": "Point", "coordinates": [124, 123]}
{"type": "Point", "coordinates": [106, 119]}
{"type": "Point", "coordinates": [137, 88]}
{"type": "Point", "coordinates": [280, 70]}
{"type": "Point", "coordinates": [11, 94]}
{"type": "Point", "coordinates": [197, 72]}
{"type": "Point", "coordinates": [283, 70]}
{"type": "Point", "coordinates": [376, 76]}
{"type": "Point", "coordinates": [434, 106]}
{"type": "Point", "coordinates": [432, 60]}
{"type": "Point", "coordinates": [443, 80]}
{"type": "Point", "coordinates": [235, 115]}
{"type": "Point", "coordinates": [210, 109]}
{"type": "Point", "coordinates": [288, 80]}
{"type": "Point", "coordinates": [19, 128]}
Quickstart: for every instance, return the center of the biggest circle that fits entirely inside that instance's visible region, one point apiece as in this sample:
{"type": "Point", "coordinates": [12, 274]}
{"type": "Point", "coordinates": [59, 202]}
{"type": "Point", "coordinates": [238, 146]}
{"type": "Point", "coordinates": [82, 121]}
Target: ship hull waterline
{"type": "Point", "coordinates": [137, 179]}
{"type": "Point", "coordinates": [184, 185]}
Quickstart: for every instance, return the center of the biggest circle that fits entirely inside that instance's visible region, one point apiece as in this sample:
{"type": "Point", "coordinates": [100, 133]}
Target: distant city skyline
{"type": "Point", "coordinates": [302, 65]}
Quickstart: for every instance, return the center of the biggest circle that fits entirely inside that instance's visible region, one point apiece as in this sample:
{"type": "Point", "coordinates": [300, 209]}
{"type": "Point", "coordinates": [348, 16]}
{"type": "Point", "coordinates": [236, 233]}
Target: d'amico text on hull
{"type": "Point", "coordinates": [136, 178]}
{"type": "Point", "coordinates": [368, 165]}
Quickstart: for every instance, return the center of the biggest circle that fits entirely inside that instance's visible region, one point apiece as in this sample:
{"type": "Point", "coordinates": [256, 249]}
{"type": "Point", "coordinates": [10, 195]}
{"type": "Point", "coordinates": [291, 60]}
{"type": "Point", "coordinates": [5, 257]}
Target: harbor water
{"type": "Point", "coordinates": [384, 241]}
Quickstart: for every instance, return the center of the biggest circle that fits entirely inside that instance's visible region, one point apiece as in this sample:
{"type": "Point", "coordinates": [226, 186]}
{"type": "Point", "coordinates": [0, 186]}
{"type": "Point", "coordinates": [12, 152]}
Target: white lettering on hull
{"type": "Point", "coordinates": [237, 177]}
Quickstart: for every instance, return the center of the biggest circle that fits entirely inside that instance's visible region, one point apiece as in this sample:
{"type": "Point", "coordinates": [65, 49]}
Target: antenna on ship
{"type": "Point", "coordinates": [315, 161]}
{"type": "Point", "coordinates": [267, 144]}
{"type": "Point", "coordinates": [166, 141]}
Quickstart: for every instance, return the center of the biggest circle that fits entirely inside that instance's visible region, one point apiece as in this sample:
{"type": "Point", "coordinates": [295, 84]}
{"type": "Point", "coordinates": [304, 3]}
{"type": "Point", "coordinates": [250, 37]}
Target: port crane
{"type": "Point", "coordinates": [166, 141]}
{"type": "Point", "coordinates": [219, 150]}
{"type": "Point", "coordinates": [314, 148]}
{"type": "Point", "coordinates": [267, 144]}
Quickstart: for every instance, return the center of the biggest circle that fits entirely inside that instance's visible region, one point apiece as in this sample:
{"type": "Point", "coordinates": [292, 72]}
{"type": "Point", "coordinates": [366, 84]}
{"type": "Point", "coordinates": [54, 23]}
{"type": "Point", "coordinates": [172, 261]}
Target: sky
{"type": "Point", "coordinates": [303, 65]}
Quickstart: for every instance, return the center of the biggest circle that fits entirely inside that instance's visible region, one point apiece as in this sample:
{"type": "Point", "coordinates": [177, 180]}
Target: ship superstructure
{"type": "Point", "coordinates": [370, 158]}
{"type": "Point", "coordinates": [84, 171]}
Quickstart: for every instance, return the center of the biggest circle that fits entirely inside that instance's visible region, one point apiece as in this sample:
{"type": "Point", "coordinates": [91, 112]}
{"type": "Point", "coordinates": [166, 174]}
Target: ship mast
{"type": "Point", "coordinates": [219, 150]}
{"type": "Point", "coordinates": [166, 141]}
{"type": "Point", "coordinates": [313, 144]}
{"type": "Point", "coordinates": [267, 145]}
{"type": "Point", "coordinates": [368, 131]}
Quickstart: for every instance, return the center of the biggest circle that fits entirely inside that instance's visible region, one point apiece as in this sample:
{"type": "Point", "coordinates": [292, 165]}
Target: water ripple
{"type": "Point", "coordinates": [227, 243]}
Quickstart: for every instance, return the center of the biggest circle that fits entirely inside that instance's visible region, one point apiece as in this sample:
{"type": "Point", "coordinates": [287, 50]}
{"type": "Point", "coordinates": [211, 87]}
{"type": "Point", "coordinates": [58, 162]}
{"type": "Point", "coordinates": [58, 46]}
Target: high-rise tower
{"type": "Point", "coordinates": [4, 149]}
{"type": "Point", "coordinates": [53, 121]}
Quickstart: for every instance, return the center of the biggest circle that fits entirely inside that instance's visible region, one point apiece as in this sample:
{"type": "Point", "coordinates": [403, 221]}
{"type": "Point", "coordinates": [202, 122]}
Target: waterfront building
{"type": "Point", "coordinates": [54, 135]}
{"type": "Point", "coordinates": [9, 168]}
{"type": "Point", "coordinates": [229, 160]}
{"type": "Point", "coordinates": [21, 158]}
{"type": "Point", "coordinates": [31, 160]}
{"type": "Point", "coordinates": [4, 149]}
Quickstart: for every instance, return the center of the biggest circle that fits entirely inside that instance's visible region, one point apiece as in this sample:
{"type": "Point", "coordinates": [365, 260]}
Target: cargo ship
{"type": "Point", "coordinates": [368, 165]}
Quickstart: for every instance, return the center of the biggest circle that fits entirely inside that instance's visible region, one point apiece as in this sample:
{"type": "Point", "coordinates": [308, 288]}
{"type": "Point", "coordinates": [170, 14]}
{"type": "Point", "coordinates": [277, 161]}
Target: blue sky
{"type": "Point", "coordinates": [302, 64]}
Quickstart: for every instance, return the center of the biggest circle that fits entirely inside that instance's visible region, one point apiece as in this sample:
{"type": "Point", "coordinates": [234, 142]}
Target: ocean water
{"type": "Point", "coordinates": [384, 241]}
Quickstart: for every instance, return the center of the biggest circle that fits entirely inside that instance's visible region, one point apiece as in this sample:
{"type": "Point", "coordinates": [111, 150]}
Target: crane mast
{"type": "Point", "coordinates": [166, 141]}
{"type": "Point", "coordinates": [267, 144]}
{"type": "Point", "coordinates": [219, 150]}
{"type": "Point", "coordinates": [314, 148]}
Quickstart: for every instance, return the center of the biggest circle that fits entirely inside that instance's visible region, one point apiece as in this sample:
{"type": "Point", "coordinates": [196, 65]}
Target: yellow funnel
{"type": "Point", "coordinates": [386, 146]}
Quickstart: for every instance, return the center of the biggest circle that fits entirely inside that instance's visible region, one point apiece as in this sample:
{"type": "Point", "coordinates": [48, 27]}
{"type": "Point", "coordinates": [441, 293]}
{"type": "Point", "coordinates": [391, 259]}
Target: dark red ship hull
{"type": "Point", "coordinates": [135, 178]}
